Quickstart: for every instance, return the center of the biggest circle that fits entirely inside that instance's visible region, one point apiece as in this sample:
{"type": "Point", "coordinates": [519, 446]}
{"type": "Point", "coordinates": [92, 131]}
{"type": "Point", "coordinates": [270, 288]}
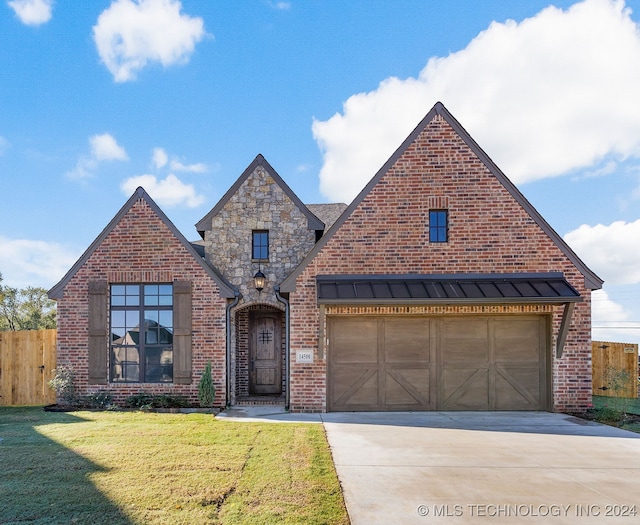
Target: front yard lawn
{"type": "Point", "coordinates": [148, 468]}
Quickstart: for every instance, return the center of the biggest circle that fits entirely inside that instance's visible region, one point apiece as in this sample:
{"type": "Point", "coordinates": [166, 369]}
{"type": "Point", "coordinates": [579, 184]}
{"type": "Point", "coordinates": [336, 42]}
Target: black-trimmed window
{"type": "Point", "coordinates": [260, 244]}
{"type": "Point", "coordinates": [438, 226]}
{"type": "Point", "coordinates": [141, 323]}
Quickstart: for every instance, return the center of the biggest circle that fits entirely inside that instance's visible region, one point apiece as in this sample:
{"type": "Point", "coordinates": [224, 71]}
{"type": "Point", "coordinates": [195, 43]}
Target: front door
{"type": "Point", "coordinates": [265, 353]}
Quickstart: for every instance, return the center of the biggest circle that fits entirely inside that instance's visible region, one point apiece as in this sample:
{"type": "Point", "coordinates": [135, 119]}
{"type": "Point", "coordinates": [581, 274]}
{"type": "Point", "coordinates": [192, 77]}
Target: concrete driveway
{"type": "Point", "coordinates": [470, 467]}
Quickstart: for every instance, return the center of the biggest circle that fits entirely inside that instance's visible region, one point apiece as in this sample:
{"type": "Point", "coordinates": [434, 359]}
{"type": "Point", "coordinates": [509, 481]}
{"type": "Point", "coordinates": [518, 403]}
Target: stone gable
{"type": "Point", "coordinates": [259, 204]}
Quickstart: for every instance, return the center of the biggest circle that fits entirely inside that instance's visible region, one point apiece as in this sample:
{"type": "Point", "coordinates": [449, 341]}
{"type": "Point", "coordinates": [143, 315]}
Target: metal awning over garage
{"type": "Point", "coordinates": [547, 288]}
{"type": "Point", "coordinates": [442, 362]}
{"type": "Point", "coordinates": [448, 289]}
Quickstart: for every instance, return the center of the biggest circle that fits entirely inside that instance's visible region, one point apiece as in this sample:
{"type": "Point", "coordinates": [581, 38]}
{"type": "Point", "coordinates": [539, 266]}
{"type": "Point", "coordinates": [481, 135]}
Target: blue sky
{"type": "Point", "coordinates": [99, 97]}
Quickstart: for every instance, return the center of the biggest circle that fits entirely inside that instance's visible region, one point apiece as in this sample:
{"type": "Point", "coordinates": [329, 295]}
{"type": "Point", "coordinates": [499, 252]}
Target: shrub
{"type": "Point", "coordinates": [609, 414]}
{"type": "Point", "coordinates": [145, 400]}
{"type": "Point", "coordinates": [63, 384]}
{"type": "Point", "coordinates": [206, 388]}
{"type": "Point", "coordinates": [619, 381]}
{"type": "Point", "coordinates": [101, 399]}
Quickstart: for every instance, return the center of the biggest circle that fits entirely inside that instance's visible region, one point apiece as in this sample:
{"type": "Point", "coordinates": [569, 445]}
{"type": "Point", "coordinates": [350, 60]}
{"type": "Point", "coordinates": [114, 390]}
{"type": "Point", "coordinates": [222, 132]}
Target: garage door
{"type": "Point", "coordinates": [437, 363]}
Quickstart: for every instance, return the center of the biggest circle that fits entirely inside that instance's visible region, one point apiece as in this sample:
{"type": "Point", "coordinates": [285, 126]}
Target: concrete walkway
{"type": "Point", "coordinates": [481, 467]}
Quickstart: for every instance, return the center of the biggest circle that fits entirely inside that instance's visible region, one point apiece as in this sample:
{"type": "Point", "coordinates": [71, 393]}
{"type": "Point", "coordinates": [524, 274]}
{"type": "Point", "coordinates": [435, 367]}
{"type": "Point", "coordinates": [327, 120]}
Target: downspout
{"type": "Point", "coordinates": [231, 305]}
{"type": "Point", "coordinates": [286, 345]}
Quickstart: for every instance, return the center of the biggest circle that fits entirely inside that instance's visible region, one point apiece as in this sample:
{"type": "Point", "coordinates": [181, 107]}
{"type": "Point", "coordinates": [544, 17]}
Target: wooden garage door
{"type": "Point", "coordinates": [446, 363]}
{"type": "Point", "coordinates": [494, 363]}
{"type": "Point", "coordinates": [378, 364]}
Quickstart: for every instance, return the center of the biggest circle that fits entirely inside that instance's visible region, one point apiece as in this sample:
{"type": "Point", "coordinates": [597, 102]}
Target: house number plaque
{"type": "Point", "coordinates": [304, 357]}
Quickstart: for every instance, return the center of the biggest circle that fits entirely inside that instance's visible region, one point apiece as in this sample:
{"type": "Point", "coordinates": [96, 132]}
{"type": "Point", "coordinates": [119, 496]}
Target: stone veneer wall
{"type": "Point", "coordinates": [489, 233]}
{"type": "Point", "coordinates": [259, 204]}
{"type": "Point", "coordinates": [141, 249]}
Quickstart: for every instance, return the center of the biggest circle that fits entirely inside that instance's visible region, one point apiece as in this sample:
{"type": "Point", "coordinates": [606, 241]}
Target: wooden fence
{"type": "Point", "coordinates": [27, 359]}
{"type": "Point", "coordinates": [611, 361]}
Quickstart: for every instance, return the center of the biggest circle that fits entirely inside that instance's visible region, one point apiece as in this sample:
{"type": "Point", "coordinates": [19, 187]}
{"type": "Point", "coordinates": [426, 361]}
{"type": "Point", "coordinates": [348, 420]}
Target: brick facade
{"type": "Point", "coordinates": [141, 249]}
{"type": "Point", "coordinates": [492, 230]}
{"type": "Point", "coordinates": [489, 232]}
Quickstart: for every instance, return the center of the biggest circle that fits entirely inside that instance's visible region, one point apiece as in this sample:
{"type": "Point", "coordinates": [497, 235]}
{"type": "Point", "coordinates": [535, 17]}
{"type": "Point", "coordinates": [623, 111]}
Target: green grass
{"type": "Point", "coordinates": [147, 468]}
{"type": "Point", "coordinates": [617, 411]}
{"type": "Point", "coordinates": [631, 405]}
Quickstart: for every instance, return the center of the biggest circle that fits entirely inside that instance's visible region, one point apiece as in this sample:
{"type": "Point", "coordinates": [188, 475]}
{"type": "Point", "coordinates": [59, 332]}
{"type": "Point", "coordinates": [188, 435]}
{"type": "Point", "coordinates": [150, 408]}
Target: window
{"type": "Point", "coordinates": [141, 347]}
{"type": "Point", "coordinates": [260, 244]}
{"type": "Point", "coordinates": [438, 225]}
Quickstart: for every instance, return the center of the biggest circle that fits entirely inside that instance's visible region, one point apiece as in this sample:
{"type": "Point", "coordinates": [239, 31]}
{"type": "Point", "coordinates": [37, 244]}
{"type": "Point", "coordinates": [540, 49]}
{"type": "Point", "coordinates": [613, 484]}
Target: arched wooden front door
{"type": "Point", "coordinates": [265, 353]}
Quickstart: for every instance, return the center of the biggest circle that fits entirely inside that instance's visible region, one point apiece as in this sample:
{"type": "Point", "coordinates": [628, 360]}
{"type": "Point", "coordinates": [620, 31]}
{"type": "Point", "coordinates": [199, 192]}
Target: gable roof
{"type": "Point", "coordinates": [226, 289]}
{"type": "Point", "coordinates": [591, 280]}
{"type": "Point", "coordinates": [205, 223]}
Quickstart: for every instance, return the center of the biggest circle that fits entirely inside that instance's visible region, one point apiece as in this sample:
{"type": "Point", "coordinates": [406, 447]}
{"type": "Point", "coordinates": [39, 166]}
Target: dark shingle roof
{"type": "Point", "coordinates": [327, 213]}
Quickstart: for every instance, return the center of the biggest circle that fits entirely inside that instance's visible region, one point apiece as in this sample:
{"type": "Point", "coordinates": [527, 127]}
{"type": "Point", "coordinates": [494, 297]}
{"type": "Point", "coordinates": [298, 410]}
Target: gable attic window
{"type": "Point", "coordinates": [260, 245]}
{"type": "Point", "coordinates": [141, 328]}
{"type": "Point", "coordinates": [438, 225]}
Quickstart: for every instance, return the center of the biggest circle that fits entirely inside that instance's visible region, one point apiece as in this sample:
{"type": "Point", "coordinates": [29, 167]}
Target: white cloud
{"type": "Point", "coordinates": [545, 96]}
{"type": "Point", "coordinates": [604, 310]}
{"type": "Point", "coordinates": [608, 168]}
{"type": "Point", "coordinates": [170, 191]}
{"type": "Point", "coordinates": [612, 251]}
{"type": "Point", "coordinates": [281, 5]}
{"type": "Point", "coordinates": [27, 262]}
{"type": "Point", "coordinates": [103, 148]}
{"type": "Point", "coordinates": [610, 320]}
{"type": "Point", "coordinates": [32, 12]}
{"type": "Point", "coordinates": [84, 169]}
{"type": "Point", "coordinates": [159, 158]}
{"type": "Point", "coordinates": [130, 34]}
{"type": "Point", "coordinates": [198, 167]}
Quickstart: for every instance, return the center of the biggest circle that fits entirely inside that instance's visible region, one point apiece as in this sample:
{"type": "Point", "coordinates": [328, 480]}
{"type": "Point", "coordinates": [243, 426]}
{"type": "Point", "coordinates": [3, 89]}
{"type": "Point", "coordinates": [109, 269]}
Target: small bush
{"type": "Point", "coordinates": [609, 415]}
{"type": "Point", "coordinates": [145, 400]}
{"type": "Point", "coordinates": [63, 384]}
{"type": "Point", "coordinates": [619, 381]}
{"type": "Point", "coordinates": [101, 399]}
{"type": "Point", "coordinates": [206, 388]}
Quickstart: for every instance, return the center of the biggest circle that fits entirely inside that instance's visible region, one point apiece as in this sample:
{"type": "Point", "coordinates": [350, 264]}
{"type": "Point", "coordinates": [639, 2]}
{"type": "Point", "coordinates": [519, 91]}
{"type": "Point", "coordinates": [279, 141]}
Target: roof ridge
{"type": "Point", "coordinates": [592, 281]}
{"type": "Point", "coordinates": [314, 223]}
{"type": "Point", "coordinates": [226, 289]}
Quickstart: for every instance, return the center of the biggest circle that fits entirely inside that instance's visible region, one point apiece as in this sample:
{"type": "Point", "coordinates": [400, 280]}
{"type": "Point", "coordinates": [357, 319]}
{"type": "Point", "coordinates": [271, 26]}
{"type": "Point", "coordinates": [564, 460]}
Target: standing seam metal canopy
{"type": "Point", "coordinates": [478, 288]}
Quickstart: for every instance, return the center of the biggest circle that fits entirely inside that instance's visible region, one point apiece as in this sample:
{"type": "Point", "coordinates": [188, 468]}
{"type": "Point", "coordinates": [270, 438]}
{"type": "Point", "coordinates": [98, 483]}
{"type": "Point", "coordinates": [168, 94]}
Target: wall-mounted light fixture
{"type": "Point", "coordinates": [259, 280]}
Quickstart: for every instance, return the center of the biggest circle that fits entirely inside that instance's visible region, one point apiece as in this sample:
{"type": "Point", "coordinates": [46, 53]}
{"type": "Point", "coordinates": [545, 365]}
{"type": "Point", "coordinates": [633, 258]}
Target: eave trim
{"type": "Point", "coordinates": [591, 280]}
{"type": "Point", "coordinates": [313, 223]}
{"type": "Point", "coordinates": [227, 290]}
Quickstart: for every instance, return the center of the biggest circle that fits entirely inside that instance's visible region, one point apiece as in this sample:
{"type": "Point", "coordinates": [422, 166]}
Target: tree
{"type": "Point", "coordinates": [25, 309]}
